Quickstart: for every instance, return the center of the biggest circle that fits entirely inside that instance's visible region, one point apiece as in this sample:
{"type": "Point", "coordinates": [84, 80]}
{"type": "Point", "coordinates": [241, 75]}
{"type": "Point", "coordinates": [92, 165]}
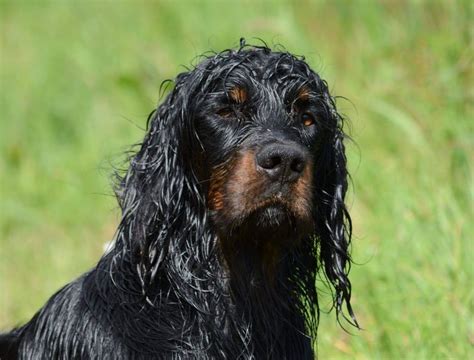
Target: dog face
{"type": "Point", "coordinates": [261, 123]}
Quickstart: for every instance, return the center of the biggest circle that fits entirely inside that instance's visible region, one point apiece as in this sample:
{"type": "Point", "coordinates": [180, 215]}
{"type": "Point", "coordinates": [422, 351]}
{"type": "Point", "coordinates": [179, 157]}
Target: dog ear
{"type": "Point", "coordinates": [161, 200]}
{"type": "Point", "coordinates": [333, 222]}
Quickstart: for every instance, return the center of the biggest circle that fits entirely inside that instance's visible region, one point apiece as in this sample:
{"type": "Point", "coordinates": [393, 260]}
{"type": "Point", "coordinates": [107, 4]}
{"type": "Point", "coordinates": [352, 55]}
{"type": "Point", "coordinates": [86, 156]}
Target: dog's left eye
{"type": "Point", "coordinates": [307, 119]}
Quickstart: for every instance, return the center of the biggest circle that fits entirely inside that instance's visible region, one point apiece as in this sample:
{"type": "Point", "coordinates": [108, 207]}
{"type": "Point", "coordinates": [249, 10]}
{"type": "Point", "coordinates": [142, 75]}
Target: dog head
{"type": "Point", "coordinates": [249, 146]}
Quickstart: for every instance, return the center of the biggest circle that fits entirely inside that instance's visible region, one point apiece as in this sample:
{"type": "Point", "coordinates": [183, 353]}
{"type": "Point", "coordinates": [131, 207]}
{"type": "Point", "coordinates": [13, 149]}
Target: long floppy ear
{"type": "Point", "coordinates": [334, 227]}
{"type": "Point", "coordinates": [162, 204]}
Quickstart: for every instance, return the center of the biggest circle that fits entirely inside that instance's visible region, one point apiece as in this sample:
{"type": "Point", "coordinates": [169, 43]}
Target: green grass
{"type": "Point", "coordinates": [79, 78]}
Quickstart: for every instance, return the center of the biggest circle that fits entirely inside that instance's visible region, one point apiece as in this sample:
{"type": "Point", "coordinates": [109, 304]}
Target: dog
{"type": "Point", "coordinates": [231, 207]}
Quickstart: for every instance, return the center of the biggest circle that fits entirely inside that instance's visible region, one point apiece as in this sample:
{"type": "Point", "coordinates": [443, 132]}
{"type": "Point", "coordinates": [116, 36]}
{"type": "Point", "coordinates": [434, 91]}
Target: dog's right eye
{"type": "Point", "coordinates": [225, 112]}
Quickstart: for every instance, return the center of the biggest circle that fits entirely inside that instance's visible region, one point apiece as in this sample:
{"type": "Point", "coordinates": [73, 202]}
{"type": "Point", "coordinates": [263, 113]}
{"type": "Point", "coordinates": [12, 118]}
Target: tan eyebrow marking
{"type": "Point", "coordinates": [238, 94]}
{"type": "Point", "coordinates": [303, 94]}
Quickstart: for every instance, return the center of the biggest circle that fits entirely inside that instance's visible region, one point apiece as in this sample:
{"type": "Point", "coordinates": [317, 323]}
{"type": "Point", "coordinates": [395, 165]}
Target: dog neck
{"type": "Point", "coordinates": [263, 291]}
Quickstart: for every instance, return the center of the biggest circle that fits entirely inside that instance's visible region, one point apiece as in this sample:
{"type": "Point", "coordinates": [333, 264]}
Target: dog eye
{"type": "Point", "coordinates": [225, 112]}
{"type": "Point", "coordinates": [307, 119]}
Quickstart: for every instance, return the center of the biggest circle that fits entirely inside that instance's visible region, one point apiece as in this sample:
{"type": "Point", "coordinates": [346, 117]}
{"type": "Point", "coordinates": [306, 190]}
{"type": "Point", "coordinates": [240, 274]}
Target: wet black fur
{"type": "Point", "coordinates": [163, 290]}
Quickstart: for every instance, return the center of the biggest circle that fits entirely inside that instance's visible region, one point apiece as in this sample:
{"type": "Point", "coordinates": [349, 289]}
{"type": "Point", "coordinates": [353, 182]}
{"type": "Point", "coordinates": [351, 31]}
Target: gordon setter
{"type": "Point", "coordinates": [231, 207]}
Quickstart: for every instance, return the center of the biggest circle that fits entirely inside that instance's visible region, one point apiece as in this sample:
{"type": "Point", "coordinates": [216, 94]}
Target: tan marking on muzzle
{"type": "Point", "coordinates": [302, 191]}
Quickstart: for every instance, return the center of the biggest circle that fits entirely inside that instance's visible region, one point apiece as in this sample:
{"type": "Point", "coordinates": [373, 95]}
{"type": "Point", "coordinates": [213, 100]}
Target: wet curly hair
{"type": "Point", "coordinates": [232, 212]}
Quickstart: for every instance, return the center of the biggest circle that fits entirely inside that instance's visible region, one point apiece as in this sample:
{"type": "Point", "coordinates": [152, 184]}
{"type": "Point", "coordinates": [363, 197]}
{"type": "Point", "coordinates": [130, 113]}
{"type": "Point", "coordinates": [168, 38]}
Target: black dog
{"type": "Point", "coordinates": [230, 207]}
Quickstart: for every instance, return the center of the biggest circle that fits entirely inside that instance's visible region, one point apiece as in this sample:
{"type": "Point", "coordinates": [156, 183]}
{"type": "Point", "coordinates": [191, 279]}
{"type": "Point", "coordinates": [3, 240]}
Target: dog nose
{"type": "Point", "coordinates": [282, 161]}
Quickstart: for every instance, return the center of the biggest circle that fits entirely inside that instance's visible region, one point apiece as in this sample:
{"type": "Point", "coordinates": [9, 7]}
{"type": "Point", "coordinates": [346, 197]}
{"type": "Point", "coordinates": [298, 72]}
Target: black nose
{"type": "Point", "coordinates": [283, 162]}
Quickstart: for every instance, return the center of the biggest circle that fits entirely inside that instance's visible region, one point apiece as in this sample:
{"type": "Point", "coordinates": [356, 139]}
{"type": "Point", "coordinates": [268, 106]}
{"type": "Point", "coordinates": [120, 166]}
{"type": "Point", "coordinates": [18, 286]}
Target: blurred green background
{"type": "Point", "coordinates": [78, 80]}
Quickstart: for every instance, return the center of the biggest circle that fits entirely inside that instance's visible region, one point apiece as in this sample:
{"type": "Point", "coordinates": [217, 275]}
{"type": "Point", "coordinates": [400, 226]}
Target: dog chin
{"type": "Point", "coordinates": [277, 220]}
{"type": "Point", "coordinates": [269, 221]}
{"type": "Point", "coordinates": [273, 216]}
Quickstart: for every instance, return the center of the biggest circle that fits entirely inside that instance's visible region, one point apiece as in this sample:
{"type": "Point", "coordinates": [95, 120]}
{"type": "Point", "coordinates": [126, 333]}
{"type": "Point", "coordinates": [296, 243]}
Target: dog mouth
{"type": "Point", "coordinates": [270, 222]}
{"type": "Point", "coordinates": [272, 214]}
